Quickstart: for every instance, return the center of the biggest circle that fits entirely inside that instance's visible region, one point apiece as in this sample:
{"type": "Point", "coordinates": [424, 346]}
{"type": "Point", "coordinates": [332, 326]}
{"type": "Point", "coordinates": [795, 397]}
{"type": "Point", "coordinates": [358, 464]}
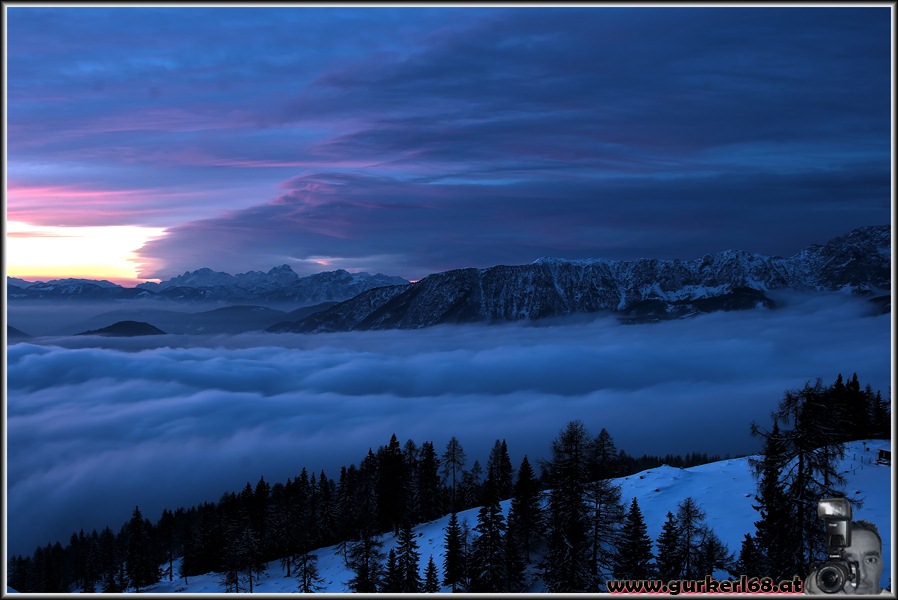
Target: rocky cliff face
{"type": "Point", "coordinates": [646, 289]}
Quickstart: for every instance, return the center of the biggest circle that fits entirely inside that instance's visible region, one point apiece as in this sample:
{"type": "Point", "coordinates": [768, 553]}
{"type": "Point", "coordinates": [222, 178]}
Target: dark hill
{"type": "Point", "coordinates": [126, 329]}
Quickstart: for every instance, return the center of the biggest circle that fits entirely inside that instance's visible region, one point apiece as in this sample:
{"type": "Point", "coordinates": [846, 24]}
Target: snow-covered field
{"type": "Point", "coordinates": [723, 489]}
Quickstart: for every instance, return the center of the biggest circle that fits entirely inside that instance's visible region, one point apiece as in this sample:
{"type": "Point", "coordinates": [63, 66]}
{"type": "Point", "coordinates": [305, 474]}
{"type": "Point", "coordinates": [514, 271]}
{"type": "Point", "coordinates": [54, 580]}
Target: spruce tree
{"type": "Point", "coordinates": [430, 492]}
{"type": "Point", "coordinates": [634, 555]}
{"type": "Point", "coordinates": [392, 486]}
{"type": "Point", "coordinates": [775, 527]}
{"type": "Point", "coordinates": [366, 561]}
{"type": "Point", "coordinates": [408, 558]}
{"type": "Point", "coordinates": [167, 533]}
{"type": "Point", "coordinates": [431, 577]}
{"type": "Point", "coordinates": [142, 568]}
{"type": "Point", "coordinates": [525, 517]}
{"type": "Point", "coordinates": [470, 487]}
{"type": "Point", "coordinates": [453, 557]}
{"type": "Point", "coordinates": [751, 560]}
{"type": "Point", "coordinates": [606, 460]}
{"type": "Point", "coordinates": [488, 558]}
{"type": "Point", "coordinates": [392, 579]}
{"type": "Point", "coordinates": [500, 469]}
{"type": "Point", "coordinates": [668, 558]}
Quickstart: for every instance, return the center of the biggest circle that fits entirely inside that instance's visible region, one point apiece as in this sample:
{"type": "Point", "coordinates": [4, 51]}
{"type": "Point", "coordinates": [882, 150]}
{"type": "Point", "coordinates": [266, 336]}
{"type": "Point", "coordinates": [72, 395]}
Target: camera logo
{"type": "Point", "coordinates": [837, 570]}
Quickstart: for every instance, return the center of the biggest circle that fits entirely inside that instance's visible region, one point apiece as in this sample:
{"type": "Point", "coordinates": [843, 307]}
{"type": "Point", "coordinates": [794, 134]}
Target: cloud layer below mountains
{"type": "Point", "coordinates": [99, 425]}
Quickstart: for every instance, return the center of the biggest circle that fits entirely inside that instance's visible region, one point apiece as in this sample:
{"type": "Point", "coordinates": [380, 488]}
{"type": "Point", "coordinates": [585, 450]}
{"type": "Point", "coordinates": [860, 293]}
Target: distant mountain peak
{"type": "Point", "coordinates": [285, 268]}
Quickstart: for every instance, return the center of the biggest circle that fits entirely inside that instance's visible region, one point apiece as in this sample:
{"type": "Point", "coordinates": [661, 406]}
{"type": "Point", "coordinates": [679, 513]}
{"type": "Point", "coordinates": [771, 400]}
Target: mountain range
{"type": "Point", "coordinates": [280, 284]}
{"type": "Point", "coordinates": [637, 291]}
{"type": "Point", "coordinates": [643, 290]}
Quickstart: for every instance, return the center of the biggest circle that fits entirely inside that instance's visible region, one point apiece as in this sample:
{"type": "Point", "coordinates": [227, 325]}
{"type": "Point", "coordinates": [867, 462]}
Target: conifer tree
{"type": "Point", "coordinates": [605, 516]}
{"type": "Point", "coordinates": [713, 556]}
{"type": "Point", "coordinates": [634, 555]}
{"type": "Point", "coordinates": [365, 555]}
{"type": "Point", "coordinates": [349, 490]}
{"type": "Point", "coordinates": [307, 575]}
{"type": "Point", "coordinates": [454, 557]}
{"type": "Point", "coordinates": [775, 526]}
{"type": "Point", "coordinates": [110, 561]}
{"type": "Point", "coordinates": [325, 511]}
{"type": "Point", "coordinates": [412, 503]}
{"type": "Point", "coordinates": [565, 566]}
{"type": "Point", "coordinates": [500, 469]}
{"type": "Point", "coordinates": [515, 564]}
{"type": "Point", "coordinates": [454, 460]}
{"type": "Point", "coordinates": [470, 487]}
{"type": "Point", "coordinates": [249, 555]}
{"type": "Point", "coordinates": [366, 561]}
{"type": "Point", "coordinates": [668, 558]}
{"type": "Point", "coordinates": [392, 486]}
{"type": "Point", "coordinates": [167, 533]}
{"type": "Point", "coordinates": [692, 531]}
{"type": "Point", "coordinates": [879, 412]}
{"type": "Point", "coordinates": [431, 577]}
{"type": "Point", "coordinates": [392, 579]}
{"type": "Point", "coordinates": [488, 558]}
{"type": "Point", "coordinates": [811, 437]}
{"type": "Point", "coordinates": [750, 561]}
{"type": "Point", "coordinates": [606, 460]}
{"type": "Point", "coordinates": [408, 558]}
{"type": "Point", "coordinates": [142, 568]}
{"type": "Point", "coordinates": [430, 493]}
{"type": "Point", "coordinates": [525, 517]}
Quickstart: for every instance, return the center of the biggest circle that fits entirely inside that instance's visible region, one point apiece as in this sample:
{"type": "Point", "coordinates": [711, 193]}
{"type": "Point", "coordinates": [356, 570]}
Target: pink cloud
{"type": "Point", "coordinates": [80, 205]}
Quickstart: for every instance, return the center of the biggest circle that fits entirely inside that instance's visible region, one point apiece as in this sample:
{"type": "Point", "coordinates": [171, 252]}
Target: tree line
{"type": "Point", "coordinates": [569, 527]}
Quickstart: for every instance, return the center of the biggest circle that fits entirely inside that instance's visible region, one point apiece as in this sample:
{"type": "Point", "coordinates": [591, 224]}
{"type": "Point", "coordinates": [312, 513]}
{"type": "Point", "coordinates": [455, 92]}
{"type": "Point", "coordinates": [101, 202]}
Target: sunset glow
{"type": "Point", "coordinates": [44, 253]}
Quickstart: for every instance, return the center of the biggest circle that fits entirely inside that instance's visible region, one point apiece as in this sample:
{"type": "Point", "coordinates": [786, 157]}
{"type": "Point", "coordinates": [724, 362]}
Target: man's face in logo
{"type": "Point", "coordinates": [866, 550]}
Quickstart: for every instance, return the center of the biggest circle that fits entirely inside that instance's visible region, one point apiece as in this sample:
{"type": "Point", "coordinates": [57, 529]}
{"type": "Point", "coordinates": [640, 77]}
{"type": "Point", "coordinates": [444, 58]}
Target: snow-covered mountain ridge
{"type": "Point", "coordinates": [280, 284]}
{"type": "Point", "coordinates": [639, 290]}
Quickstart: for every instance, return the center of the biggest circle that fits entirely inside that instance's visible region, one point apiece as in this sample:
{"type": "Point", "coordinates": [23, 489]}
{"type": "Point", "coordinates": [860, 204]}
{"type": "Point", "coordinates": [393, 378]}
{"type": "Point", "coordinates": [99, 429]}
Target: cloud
{"type": "Point", "coordinates": [418, 228]}
{"type": "Point", "coordinates": [454, 106]}
{"type": "Point", "coordinates": [98, 425]}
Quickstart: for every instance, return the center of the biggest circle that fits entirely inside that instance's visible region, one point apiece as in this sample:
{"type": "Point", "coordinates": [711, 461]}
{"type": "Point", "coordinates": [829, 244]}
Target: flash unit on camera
{"type": "Point", "coordinates": [834, 508]}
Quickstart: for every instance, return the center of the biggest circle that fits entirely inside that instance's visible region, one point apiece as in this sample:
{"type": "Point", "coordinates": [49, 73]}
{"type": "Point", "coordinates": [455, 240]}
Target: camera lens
{"type": "Point", "coordinates": [831, 578]}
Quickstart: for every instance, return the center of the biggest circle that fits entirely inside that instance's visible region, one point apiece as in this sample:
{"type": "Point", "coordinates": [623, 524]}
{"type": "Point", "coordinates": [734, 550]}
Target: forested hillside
{"type": "Point", "coordinates": [567, 529]}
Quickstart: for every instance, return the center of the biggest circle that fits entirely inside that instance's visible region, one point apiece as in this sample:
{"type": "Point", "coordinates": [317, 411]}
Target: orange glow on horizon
{"type": "Point", "coordinates": [39, 253]}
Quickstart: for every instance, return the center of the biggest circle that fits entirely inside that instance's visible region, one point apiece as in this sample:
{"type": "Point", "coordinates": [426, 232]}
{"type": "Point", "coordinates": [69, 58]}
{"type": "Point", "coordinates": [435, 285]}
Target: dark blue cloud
{"type": "Point", "coordinates": [461, 136]}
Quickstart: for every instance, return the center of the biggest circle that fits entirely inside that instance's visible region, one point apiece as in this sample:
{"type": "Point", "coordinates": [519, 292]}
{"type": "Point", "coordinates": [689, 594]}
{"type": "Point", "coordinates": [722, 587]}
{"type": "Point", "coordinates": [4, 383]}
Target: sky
{"type": "Point", "coordinates": [146, 141]}
{"type": "Point", "coordinates": [98, 425]}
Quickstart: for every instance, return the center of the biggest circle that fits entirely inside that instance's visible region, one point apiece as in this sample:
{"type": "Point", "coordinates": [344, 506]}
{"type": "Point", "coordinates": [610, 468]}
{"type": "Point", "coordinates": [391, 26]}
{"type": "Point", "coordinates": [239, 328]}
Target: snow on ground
{"type": "Point", "coordinates": [725, 491]}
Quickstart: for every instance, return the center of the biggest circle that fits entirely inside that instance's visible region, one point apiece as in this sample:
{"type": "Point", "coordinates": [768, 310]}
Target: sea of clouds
{"type": "Point", "coordinates": [98, 425]}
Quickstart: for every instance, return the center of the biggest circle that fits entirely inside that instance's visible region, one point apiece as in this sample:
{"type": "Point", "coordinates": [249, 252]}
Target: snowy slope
{"type": "Point", "coordinates": [724, 490]}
